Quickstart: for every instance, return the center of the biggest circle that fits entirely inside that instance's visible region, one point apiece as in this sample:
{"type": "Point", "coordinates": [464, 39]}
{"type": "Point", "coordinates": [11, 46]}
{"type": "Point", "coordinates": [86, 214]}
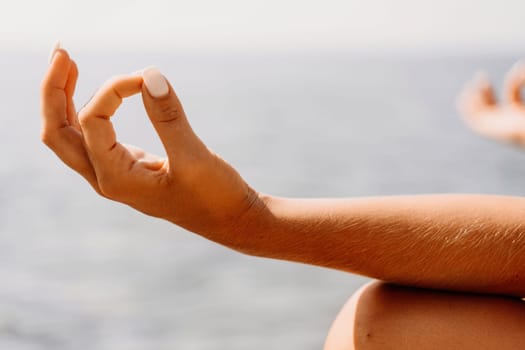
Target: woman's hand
{"type": "Point", "coordinates": [192, 187]}
{"type": "Point", "coordinates": [503, 121]}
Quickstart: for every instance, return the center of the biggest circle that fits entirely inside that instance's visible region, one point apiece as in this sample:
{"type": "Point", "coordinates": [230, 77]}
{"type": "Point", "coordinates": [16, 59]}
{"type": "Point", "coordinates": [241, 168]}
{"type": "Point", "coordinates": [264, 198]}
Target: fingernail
{"type": "Point", "coordinates": [54, 50]}
{"type": "Point", "coordinates": [137, 72]}
{"type": "Point", "coordinates": [155, 82]}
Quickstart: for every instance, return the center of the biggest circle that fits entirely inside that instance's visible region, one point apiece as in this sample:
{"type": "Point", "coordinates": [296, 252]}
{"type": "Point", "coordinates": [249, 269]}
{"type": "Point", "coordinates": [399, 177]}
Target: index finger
{"type": "Point", "coordinates": [94, 118]}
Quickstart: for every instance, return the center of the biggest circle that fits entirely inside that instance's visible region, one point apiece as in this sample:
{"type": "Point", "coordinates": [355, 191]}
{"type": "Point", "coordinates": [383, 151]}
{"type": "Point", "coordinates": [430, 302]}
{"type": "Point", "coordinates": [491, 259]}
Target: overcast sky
{"type": "Point", "coordinates": [268, 24]}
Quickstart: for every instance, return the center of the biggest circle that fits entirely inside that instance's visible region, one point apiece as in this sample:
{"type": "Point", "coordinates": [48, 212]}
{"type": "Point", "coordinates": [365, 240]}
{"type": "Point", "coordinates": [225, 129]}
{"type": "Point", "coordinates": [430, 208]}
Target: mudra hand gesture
{"type": "Point", "coordinates": [192, 187]}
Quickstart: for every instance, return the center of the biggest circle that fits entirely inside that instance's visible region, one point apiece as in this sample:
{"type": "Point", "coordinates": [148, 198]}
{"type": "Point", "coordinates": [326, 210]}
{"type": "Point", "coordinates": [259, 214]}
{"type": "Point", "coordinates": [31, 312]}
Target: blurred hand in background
{"type": "Point", "coordinates": [500, 120]}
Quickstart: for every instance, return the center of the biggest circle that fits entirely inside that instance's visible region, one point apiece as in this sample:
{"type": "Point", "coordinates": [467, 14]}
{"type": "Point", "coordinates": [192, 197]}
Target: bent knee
{"type": "Point", "coordinates": [353, 327]}
{"type": "Point", "coordinates": [387, 316]}
{"type": "Point", "coordinates": [374, 317]}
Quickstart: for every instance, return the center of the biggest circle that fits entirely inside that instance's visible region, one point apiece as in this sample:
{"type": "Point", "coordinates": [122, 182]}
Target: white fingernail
{"type": "Point", "coordinates": [54, 50]}
{"type": "Point", "coordinates": [137, 72]}
{"type": "Point", "coordinates": [155, 82]}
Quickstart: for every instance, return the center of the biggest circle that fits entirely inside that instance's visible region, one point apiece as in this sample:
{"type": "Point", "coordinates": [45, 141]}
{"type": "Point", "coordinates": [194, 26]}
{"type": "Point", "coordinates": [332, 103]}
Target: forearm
{"type": "Point", "coordinates": [459, 242]}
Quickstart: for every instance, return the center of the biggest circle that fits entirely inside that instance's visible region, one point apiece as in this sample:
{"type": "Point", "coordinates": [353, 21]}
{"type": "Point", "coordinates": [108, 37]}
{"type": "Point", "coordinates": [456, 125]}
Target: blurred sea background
{"type": "Point", "coordinates": [81, 272]}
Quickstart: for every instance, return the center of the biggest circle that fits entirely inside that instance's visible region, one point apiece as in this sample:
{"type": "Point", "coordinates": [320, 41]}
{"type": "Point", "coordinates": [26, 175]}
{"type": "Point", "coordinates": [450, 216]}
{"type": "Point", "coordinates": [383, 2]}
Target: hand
{"type": "Point", "coordinates": [503, 121]}
{"type": "Point", "coordinates": [192, 187]}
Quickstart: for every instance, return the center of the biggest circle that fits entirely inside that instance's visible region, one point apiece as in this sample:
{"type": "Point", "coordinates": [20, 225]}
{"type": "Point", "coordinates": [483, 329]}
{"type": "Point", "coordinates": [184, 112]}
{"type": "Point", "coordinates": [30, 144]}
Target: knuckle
{"type": "Point", "coordinates": [115, 185]}
{"type": "Point", "coordinates": [107, 190]}
{"type": "Point", "coordinates": [46, 87]}
{"type": "Point", "coordinates": [110, 83]}
{"type": "Point", "coordinates": [83, 116]}
{"type": "Point", "coordinates": [47, 137]}
{"type": "Point", "coordinates": [109, 187]}
{"type": "Point", "coordinates": [168, 112]}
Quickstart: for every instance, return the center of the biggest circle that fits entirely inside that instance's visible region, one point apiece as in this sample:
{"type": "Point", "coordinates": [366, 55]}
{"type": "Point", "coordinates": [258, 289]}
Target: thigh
{"type": "Point", "coordinates": [385, 316]}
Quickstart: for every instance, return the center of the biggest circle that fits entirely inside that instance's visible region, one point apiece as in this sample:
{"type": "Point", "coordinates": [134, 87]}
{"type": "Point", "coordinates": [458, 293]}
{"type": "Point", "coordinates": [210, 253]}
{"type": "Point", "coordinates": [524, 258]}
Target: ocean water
{"type": "Point", "coordinates": [81, 272]}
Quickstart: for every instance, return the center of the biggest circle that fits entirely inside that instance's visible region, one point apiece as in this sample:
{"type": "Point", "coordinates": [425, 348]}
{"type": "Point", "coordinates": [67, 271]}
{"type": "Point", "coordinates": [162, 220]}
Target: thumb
{"type": "Point", "coordinates": [514, 81]}
{"type": "Point", "coordinates": [167, 116]}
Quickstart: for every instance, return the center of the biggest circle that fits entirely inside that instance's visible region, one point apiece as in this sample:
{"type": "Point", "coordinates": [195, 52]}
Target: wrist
{"type": "Point", "coordinates": [251, 225]}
